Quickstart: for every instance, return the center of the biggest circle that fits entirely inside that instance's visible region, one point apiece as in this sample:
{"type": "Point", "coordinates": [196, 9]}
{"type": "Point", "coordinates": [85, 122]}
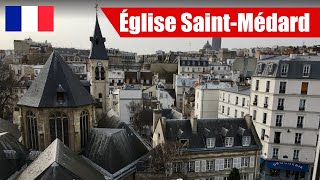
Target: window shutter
{"type": "Point", "coordinates": [251, 176]}
{"type": "Point", "coordinates": [216, 178]}
{"type": "Point", "coordinates": [239, 163]}
{"type": "Point", "coordinates": [169, 168]}
{"type": "Point", "coordinates": [235, 161]}
{"type": "Point", "coordinates": [185, 167]}
{"type": "Point", "coordinates": [197, 166]}
{"type": "Point", "coordinates": [216, 166]}
{"type": "Point", "coordinates": [221, 164]}
{"type": "Point", "coordinates": [252, 161]}
{"type": "Point", "coordinates": [203, 165]}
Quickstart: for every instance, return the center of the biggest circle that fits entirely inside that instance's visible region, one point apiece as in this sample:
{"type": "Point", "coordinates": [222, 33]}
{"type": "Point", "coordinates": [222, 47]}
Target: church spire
{"type": "Point", "coordinates": [98, 50]}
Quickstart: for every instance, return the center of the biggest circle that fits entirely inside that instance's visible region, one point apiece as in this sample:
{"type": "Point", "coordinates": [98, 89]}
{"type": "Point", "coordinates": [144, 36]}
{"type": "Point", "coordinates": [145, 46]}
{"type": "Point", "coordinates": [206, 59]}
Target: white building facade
{"type": "Point", "coordinates": [284, 107]}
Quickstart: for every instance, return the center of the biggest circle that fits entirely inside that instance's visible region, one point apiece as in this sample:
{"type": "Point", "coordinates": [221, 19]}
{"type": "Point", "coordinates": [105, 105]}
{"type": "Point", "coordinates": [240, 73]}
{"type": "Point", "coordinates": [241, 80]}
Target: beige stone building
{"type": "Point", "coordinates": [56, 106]}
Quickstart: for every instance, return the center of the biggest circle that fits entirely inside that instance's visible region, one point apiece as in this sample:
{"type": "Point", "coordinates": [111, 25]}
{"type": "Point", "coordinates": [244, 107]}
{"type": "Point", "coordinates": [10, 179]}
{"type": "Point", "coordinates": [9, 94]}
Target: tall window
{"type": "Point", "coordinates": [300, 122]}
{"type": "Point", "coordinates": [237, 100]}
{"type": "Point", "coordinates": [235, 113]}
{"type": "Point", "coordinates": [228, 111]}
{"type": "Point", "coordinates": [32, 131]}
{"type": "Point", "coordinates": [275, 153]}
{"type": "Point", "coordinates": [304, 87]}
{"type": "Point", "coordinates": [266, 102]}
{"type": "Point", "coordinates": [284, 69]}
{"type": "Point", "coordinates": [268, 86]}
{"type": "Point", "coordinates": [254, 114]}
{"type": "Point", "coordinates": [297, 139]}
{"type": "Point", "coordinates": [59, 127]}
{"type": "Point", "coordinates": [280, 104]}
{"type": "Point", "coordinates": [296, 154]}
{"type": "Point", "coordinates": [302, 105]}
{"type": "Point", "coordinates": [84, 127]}
{"type": "Point", "coordinates": [279, 120]}
{"type": "Point", "coordinates": [263, 133]}
{"type": "Point", "coordinates": [100, 73]}
{"type": "Point", "coordinates": [227, 163]}
{"type": "Point", "coordinates": [264, 119]}
{"type": "Point", "coordinates": [306, 71]}
{"type": "Point", "coordinates": [282, 88]}
{"type": "Point", "coordinates": [229, 141]}
{"type": "Point", "coordinates": [210, 142]}
{"type": "Point", "coordinates": [257, 85]}
{"type": "Point", "coordinates": [277, 136]}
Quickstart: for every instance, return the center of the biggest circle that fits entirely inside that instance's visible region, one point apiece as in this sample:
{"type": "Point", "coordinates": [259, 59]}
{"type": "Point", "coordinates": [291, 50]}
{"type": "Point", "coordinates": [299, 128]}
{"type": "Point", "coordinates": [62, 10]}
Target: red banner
{"type": "Point", "coordinates": [215, 22]}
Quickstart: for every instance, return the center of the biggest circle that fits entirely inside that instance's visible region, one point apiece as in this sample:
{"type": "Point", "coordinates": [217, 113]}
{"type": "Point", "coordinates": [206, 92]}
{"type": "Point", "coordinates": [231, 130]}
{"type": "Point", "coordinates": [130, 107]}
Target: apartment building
{"type": "Point", "coordinates": [211, 147]}
{"type": "Point", "coordinates": [284, 106]}
{"type": "Point", "coordinates": [234, 102]}
{"type": "Point", "coordinates": [193, 66]}
{"type": "Point", "coordinates": [207, 99]}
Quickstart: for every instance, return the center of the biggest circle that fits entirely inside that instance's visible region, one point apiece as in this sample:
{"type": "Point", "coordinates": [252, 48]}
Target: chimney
{"type": "Point", "coordinates": [156, 117]}
{"type": "Point", "coordinates": [194, 122]}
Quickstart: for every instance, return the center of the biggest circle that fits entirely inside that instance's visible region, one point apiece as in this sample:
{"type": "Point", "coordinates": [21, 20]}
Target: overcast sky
{"type": "Point", "coordinates": [74, 24]}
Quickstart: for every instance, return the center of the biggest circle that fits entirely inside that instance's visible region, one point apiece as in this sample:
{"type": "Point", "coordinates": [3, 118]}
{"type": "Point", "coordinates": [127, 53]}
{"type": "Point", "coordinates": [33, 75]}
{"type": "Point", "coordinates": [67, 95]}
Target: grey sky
{"type": "Point", "coordinates": [74, 23]}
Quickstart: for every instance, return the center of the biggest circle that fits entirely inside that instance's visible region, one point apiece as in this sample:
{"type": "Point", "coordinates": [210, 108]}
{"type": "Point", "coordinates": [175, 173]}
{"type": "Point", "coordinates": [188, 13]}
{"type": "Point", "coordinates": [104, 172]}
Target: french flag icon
{"type": "Point", "coordinates": [29, 18]}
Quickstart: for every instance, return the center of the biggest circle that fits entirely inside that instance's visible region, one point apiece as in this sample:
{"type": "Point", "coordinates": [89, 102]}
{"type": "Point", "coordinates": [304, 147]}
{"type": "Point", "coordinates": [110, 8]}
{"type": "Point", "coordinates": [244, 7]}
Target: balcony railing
{"type": "Point", "coordinates": [302, 108]}
{"type": "Point", "coordinates": [265, 105]}
{"type": "Point", "coordinates": [282, 91]}
{"type": "Point", "coordinates": [299, 125]}
{"type": "Point", "coordinates": [280, 107]}
{"type": "Point", "coordinates": [255, 103]}
{"type": "Point", "coordinates": [277, 141]}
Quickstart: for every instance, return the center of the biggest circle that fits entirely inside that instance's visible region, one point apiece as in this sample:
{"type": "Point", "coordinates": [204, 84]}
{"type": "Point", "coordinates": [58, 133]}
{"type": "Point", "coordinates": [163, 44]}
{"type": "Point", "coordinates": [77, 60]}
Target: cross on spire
{"type": "Point", "coordinates": [96, 7]}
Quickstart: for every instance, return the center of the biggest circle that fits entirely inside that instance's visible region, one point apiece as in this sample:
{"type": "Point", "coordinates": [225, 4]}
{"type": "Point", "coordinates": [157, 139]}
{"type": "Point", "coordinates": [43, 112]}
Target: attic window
{"type": "Point", "coordinates": [270, 68]}
{"type": "Point", "coordinates": [211, 142]}
{"type": "Point", "coordinates": [284, 69]}
{"type": "Point", "coordinates": [246, 141]}
{"type": "Point", "coordinates": [229, 142]}
{"type": "Point", "coordinates": [259, 67]}
{"type": "Point", "coordinates": [60, 96]}
{"type": "Point", "coordinates": [306, 70]}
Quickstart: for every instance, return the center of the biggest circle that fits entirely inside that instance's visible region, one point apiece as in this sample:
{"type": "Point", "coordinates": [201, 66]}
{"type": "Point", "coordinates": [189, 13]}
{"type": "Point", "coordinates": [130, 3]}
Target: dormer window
{"type": "Point", "coordinates": [211, 142]}
{"type": "Point", "coordinates": [60, 94]}
{"type": "Point", "coordinates": [229, 142]}
{"type": "Point", "coordinates": [246, 141]}
{"type": "Point", "coordinates": [284, 69]}
{"type": "Point", "coordinates": [270, 68]}
{"type": "Point", "coordinates": [306, 70]}
{"type": "Point", "coordinates": [259, 67]}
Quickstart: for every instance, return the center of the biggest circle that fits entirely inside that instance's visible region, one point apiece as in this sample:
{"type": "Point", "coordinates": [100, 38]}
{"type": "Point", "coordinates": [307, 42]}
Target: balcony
{"type": "Point", "coordinates": [302, 108]}
{"type": "Point", "coordinates": [282, 91]}
{"type": "Point", "coordinates": [277, 141]}
{"type": "Point", "coordinates": [255, 103]}
{"type": "Point", "coordinates": [280, 107]}
{"type": "Point", "coordinates": [265, 105]}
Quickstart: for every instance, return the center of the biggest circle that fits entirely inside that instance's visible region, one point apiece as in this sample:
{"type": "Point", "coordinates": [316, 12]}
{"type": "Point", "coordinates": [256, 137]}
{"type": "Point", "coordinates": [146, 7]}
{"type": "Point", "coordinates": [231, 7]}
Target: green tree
{"type": "Point", "coordinates": [234, 174]}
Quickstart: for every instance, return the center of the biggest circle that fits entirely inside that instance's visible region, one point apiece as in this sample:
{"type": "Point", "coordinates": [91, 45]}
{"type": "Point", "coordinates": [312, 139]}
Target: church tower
{"type": "Point", "coordinates": [98, 64]}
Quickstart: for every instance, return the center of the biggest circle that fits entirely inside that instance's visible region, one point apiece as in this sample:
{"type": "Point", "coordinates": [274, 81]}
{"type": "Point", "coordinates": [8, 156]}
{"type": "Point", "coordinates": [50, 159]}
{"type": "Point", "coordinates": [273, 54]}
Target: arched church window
{"type": "Point", "coordinates": [100, 72]}
{"type": "Point", "coordinates": [84, 127]}
{"type": "Point", "coordinates": [59, 127]}
{"type": "Point", "coordinates": [32, 131]}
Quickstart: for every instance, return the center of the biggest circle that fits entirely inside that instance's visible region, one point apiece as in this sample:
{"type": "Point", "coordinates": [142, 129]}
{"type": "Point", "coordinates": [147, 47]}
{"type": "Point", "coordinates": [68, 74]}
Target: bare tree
{"type": "Point", "coordinates": [136, 109]}
{"type": "Point", "coordinates": [7, 94]}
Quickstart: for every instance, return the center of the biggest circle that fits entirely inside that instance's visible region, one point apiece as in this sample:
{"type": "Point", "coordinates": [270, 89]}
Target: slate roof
{"type": "Point", "coordinates": [43, 91]}
{"type": "Point", "coordinates": [171, 114]}
{"type": "Point", "coordinates": [5, 168]}
{"type": "Point", "coordinates": [207, 46]}
{"type": "Point", "coordinates": [212, 128]}
{"type": "Point", "coordinates": [98, 50]}
{"type": "Point", "coordinates": [8, 126]}
{"type": "Point", "coordinates": [272, 67]}
{"type": "Point", "coordinates": [57, 161]}
{"type": "Point", "coordinates": [9, 142]}
{"type": "Point", "coordinates": [113, 149]}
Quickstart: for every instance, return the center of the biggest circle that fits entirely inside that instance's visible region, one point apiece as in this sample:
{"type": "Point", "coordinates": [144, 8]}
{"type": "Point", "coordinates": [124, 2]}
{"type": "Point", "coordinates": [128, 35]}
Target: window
{"type": "Point", "coordinates": [280, 104]}
{"type": "Point", "coordinates": [306, 71]}
{"type": "Point", "coordinates": [284, 69]}
{"type": "Point", "coordinates": [257, 85]}
{"type": "Point", "coordinates": [279, 120]}
{"type": "Point", "coordinates": [99, 71]}
{"type": "Point", "coordinates": [296, 154]}
{"type": "Point", "coordinates": [229, 141]}
{"type": "Point", "coordinates": [254, 114]}
{"type": "Point", "coordinates": [277, 136]}
{"type": "Point", "coordinates": [304, 87]}
{"type": "Point", "coordinates": [300, 122]}
{"type": "Point", "coordinates": [235, 113]}
{"type": "Point", "coordinates": [302, 105]}
{"type": "Point", "coordinates": [228, 111]}
{"type": "Point", "coordinates": [282, 88]}
{"type": "Point", "coordinates": [210, 142]}
{"type": "Point", "coordinates": [228, 98]}
{"type": "Point", "coordinates": [227, 163]}
{"type": "Point", "coordinates": [264, 119]}
{"type": "Point", "coordinates": [178, 167]}
{"type": "Point", "coordinates": [242, 114]}
{"type": "Point", "coordinates": [222, 109]}
{"type": "Point", "coordinates": [243, 102]}
{"type": "Point", "coordinates": [210, 165]}
{"type": "Point", "coordinates": [244, 177]}
{"type": "Point", "coordinates": [59, 127]}
{"type": "Point", "coordinates": [191, 166]}
{"type": "Point", "coordinates": [275, 153]}
{"type": "Point", "coordinates": [263, 133]}
{"type": "Point", "coordinates": [297, 139]}
{"type": "Point", "coordinates": [84, 127]}
{"type": "Point", "coordinates": [32, 131]}
{"type": "Point", "coordinates": [237, 100]}
{"type": "Point", "coordinates": [259, 68]}
{"type": "Point", "coordinates": [245, 161]}
{"type": "Point", "coordinates": [246, 141]}
{"type": "Point", "coordinates": [266, 102]}
{"type": "Point", "coordinates": [268, 86]}
{"type": "Point", "coordinates": [255, 101]}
